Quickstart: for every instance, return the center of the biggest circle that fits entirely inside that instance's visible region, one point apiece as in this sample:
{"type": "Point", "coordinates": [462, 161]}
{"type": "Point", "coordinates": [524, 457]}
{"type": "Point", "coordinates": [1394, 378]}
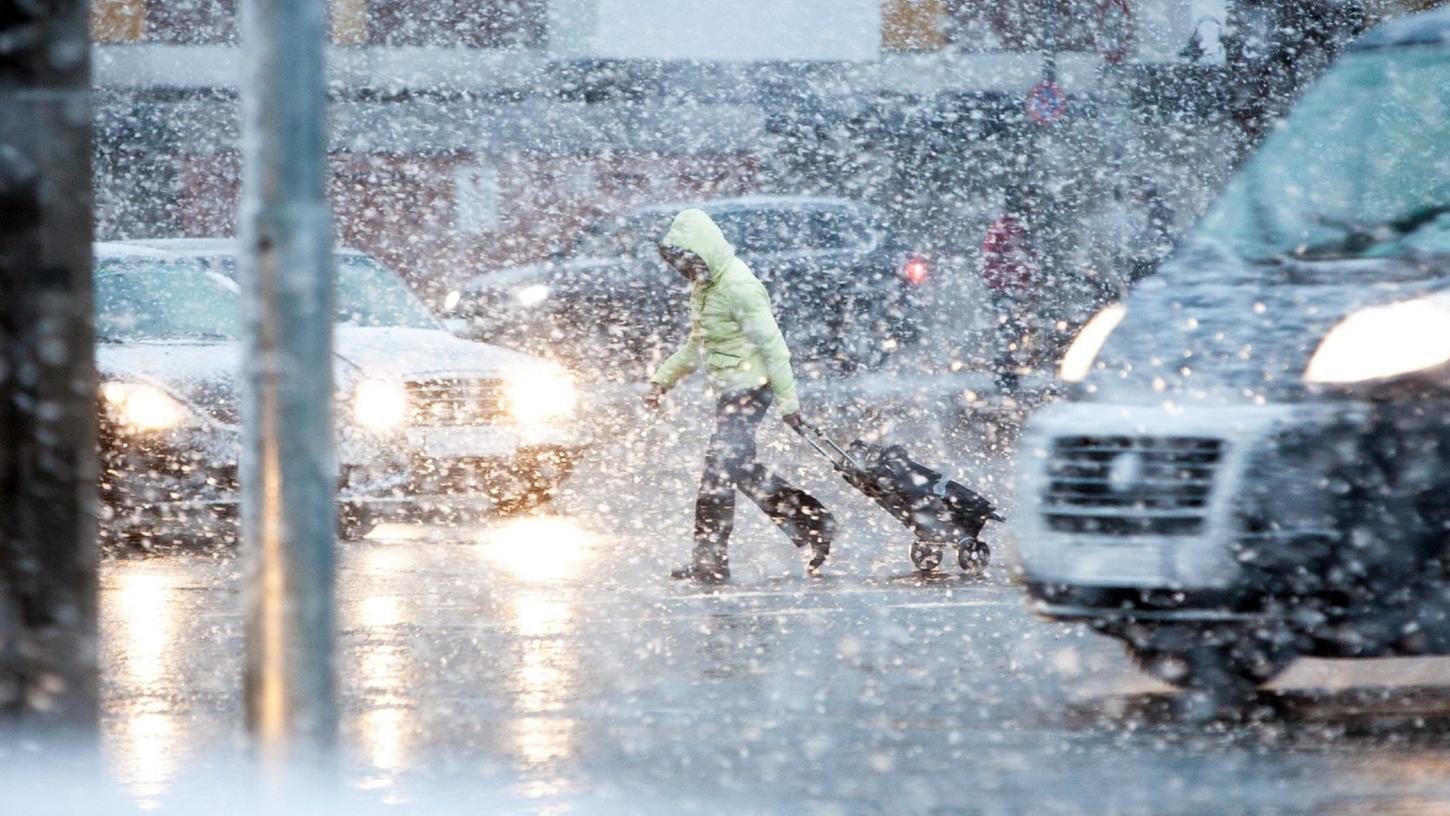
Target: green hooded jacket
{"type": "Point", "coordinates": [731, 324]}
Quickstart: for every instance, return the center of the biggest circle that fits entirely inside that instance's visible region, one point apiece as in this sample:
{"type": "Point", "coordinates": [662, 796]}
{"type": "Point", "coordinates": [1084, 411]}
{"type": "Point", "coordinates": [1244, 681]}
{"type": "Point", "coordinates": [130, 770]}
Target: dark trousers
{"type": "Point", "coordinates": [730, 465]}
{"type": "Point", "coordinates": [1009, 337]}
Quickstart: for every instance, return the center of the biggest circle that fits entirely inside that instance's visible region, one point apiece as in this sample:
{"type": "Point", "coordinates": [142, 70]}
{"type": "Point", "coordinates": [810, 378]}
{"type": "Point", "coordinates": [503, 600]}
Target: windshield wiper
{"type": "Point", "coordinates": [1358, 238]}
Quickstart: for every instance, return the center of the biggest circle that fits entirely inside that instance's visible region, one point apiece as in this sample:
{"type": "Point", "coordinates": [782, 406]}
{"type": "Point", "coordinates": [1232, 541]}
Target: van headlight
{"type": "Point", "coordinates": [143, 408]}
{"type": "Point", "coordinates": [379, 405]}
{"type": "Point", "coordinates": [1080, 356]}
{"type": "Point", "coordinates": [1382, 342]}
{"type": "Point", "coordinates": [540, 396]}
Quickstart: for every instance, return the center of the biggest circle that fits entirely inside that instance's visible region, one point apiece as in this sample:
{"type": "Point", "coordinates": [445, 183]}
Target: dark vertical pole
{"type": "Point", "coordinates": [287, 471]}
{"type": "Point", "coordinates": [48, 548]}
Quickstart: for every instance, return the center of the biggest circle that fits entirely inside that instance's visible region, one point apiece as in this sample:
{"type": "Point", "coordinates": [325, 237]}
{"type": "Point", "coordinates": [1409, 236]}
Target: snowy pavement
{"type": "Point", "coordinates": [549, 660]}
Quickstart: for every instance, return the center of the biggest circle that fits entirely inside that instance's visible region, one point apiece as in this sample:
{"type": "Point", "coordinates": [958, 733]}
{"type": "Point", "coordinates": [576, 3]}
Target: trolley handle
{"type": "Point", "coordinates": [838, 456]}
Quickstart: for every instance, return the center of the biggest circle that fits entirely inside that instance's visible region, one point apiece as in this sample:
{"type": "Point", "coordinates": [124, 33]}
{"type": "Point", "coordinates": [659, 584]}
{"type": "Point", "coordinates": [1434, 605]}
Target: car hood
{"type": "Point", "coordinates": [203, 375]}
{"type": "Point", "coordinates": [400, 353]}
{"type": "Point", "coordinates": [550, 272]}
{"type": "Point", "coordinates": [1234, 342]}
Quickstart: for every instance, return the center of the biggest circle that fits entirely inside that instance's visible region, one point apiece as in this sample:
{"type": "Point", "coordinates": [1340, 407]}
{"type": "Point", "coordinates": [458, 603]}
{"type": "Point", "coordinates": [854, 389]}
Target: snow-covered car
{"type": "Point", "coordinates": [846, 289]}
{"type": "Point", "coordinates": [426, 420]}
{"type": "Point", "coordinates": [1254, 461]}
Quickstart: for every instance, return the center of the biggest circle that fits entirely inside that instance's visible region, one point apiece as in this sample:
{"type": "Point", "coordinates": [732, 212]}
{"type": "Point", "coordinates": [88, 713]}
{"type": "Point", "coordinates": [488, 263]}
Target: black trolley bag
{"type": "Point", "coordinates": [939, 511]}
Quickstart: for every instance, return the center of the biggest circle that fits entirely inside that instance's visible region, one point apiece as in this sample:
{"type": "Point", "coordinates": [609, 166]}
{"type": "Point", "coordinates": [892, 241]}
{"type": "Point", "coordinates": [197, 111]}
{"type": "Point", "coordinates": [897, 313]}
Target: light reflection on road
{"type": "Point", "coordinates": [378, 662]}
{"type": "Point", "coordinates": [540, 549]}
{"type": "Point", "coordinates": [526, 566]}
{"type": "Point", "coordinates": [527, 569]}
{"type": "Point", "coordinates": [141, 659]}
{"type": "Point", "coordinates": [492, 651]}
{"type": "Point", "coordinates": [141, 749]}
{"type": "Point", "coordinates": [383, 734]}
{"type": "Point", "coordinates": [540, 552]}
{"type": "Point", "coordinates": [144, 628]}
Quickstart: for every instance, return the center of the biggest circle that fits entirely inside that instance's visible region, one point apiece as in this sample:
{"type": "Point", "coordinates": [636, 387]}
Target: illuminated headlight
{"type": "Point", "coordinates": [1382, 342]}
{"type": "Point", "coordinates": [379, 405]}
{"type": "Point", "coordinates": [143, 408]}
{"type": "Point", "coordinates": [1083, 352]}
{"type": "Point", "coordinates": [539, 396]}
{"type": "Point", "coordinates": [531, 295]}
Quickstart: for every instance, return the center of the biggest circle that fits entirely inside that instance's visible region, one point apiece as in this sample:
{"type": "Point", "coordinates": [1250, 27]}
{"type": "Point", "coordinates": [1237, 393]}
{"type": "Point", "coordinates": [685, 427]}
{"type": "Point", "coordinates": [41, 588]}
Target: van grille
{"type": "Point", "coordinates": [456, 401]}
{"type": "Point", "coordinates": [1126, 485]}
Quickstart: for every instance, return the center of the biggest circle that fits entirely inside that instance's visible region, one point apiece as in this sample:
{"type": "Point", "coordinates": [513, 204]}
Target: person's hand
{"type": "Point", "coordinates": [656, 393]}
{"type": "Point", "coordinates": [794, 420]}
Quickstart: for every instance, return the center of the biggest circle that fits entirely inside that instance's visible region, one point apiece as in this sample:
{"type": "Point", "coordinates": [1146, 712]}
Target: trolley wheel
{"type": "Point", "coordinates": [926, 556]}
{"type": "Point", "coordinates": [973, 556]}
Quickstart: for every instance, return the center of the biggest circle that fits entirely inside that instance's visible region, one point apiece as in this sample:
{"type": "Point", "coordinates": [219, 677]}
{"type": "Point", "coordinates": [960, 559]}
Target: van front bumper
{"type": "Point", "coordinates": [1205, 503]}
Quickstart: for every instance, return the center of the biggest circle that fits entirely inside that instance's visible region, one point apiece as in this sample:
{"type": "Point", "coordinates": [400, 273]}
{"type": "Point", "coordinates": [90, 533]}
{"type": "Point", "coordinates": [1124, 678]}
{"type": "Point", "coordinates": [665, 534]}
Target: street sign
{"type": "Point", "coordinates": [1116, 30]}
{"type": "Point", "coordinates": [1046, 102]}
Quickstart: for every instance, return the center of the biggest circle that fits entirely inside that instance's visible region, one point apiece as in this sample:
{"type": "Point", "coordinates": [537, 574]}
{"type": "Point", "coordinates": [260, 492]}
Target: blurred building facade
{"type": "Point", "coordinates": [470, 134]}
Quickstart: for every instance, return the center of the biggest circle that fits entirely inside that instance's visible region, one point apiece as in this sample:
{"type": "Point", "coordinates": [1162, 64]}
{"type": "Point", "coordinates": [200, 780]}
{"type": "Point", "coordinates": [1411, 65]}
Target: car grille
{"type": "Point", "coordinates": [1125, 485]}
{"type": "Point", "coordinates": [456, 401]}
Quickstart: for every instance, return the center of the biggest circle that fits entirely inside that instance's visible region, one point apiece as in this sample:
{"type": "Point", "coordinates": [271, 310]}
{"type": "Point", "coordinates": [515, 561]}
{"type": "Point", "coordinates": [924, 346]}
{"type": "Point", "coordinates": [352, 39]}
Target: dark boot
{"type": "Point", "coordinates": [800, 516]}
{"type": "Point", "coordinates": [714, 515]}
{"type": "Point", "coordinates": [821, 534]}
{"type": "Point", "coordinates": [702, 574]}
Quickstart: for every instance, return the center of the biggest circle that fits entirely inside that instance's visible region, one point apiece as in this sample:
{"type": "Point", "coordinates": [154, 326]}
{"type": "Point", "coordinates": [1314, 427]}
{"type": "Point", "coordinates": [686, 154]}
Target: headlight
{"type": "Point", "coordinates": [1383, 341]}
{"type": "Point", "coordinates": [1083, 352]}
{"type": "Point", "coordinates": [531, 295]}
{"type": "Point", "coordinates": [143, 408]}
{"type": "Point", "coordinates": [538, 396]}
{"type": "Point", "coordinates": [379, 405]}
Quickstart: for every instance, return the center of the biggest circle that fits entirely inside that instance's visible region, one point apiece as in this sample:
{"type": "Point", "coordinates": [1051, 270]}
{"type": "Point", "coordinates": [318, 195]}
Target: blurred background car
{"type": "Point", "coordinates": [846, 290]}
{"type": "Point", "coordinates": [426, 420]}
{"type": "Point", "coordinates": [1254, 463]}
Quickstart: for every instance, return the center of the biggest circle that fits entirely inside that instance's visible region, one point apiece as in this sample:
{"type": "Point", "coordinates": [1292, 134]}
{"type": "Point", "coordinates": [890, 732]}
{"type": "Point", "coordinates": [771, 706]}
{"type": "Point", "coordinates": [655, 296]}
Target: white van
{"type": "Point", "coordinates": [1254, 461]}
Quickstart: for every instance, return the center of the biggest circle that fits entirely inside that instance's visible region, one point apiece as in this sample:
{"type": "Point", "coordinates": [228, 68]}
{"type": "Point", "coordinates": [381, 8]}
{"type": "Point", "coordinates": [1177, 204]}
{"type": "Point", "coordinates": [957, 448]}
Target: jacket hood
{"type": "Point", "coordinates": [694, 231]}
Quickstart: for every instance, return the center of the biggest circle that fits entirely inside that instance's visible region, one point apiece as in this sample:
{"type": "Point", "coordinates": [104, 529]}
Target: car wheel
{"type": "Point", "coordinates": [354, 522]}
{"type": "Point", "coordinates": [115, 540]}
{"type": "Point", "coordinates": [1225, 664]}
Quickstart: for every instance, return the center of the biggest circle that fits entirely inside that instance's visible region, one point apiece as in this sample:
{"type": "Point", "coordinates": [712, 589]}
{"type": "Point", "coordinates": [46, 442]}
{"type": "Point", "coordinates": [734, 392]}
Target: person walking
{"type": "Point", "coordinates": [1011, 270]}
{"type": "Point", "coordinates": [733, 330]}
{"type": "Point", "coordinates": [1152, 241]}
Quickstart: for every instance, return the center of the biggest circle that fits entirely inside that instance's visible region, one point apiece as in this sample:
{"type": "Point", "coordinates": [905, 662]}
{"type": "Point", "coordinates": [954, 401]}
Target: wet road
{"type": "Point", "coordinates": [549, 658]}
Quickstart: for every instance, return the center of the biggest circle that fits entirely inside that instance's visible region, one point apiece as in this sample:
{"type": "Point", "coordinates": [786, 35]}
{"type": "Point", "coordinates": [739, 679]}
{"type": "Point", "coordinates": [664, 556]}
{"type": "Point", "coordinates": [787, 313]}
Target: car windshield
{"type": "Point", "coordinates": [163, 299]}
{"type": "Point", "coordinates": [368, 294]}
{"type": "Point", "coordinates": [631, 236]}
{"type": "Point", "coordinates": [768, 231]}
{"type": "Point", "coordinates": [1359, 170]}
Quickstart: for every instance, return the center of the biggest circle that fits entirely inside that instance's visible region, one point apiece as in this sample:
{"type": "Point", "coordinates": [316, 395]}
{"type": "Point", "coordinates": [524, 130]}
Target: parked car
{"type": "Point", "coordinates": [845, 289]}
{"type": "Point", "coordinates": [425, 419]}
{"type": "Point", "coordinates": [1254, 462]}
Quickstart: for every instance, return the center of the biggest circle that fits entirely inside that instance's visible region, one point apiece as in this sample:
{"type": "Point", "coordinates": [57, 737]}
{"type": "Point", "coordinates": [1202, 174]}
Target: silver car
{"type": "Point", "coordinates": [426, 421]}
